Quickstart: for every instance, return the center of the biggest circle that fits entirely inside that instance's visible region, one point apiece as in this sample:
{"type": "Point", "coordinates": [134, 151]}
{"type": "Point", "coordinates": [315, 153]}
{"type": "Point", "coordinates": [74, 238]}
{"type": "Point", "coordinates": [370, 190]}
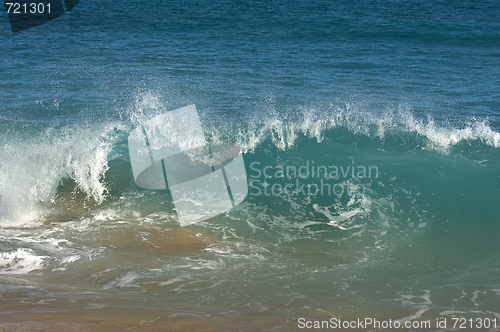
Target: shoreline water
{"type": "Point", "coordinates": [349, 316]}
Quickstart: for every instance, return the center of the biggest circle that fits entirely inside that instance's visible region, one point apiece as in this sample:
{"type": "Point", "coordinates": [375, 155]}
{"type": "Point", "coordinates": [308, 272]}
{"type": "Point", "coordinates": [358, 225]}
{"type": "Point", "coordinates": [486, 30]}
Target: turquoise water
{"type": "Point", "coordinates": [405, 93]}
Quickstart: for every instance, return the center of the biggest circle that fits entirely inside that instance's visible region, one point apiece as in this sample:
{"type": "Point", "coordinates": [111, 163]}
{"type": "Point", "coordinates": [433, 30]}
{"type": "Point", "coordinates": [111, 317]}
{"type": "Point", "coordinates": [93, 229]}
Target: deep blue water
{"type": "Point", "coordinates": [411, 88]}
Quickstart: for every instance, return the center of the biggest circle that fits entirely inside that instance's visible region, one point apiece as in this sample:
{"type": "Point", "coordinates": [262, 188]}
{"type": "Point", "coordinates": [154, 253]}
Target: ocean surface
{"type": "Point", "coordinates": [391, 109]}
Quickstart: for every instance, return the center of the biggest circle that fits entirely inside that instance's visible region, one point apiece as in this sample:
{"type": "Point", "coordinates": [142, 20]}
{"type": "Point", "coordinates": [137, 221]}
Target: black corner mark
{"type": "Point", "coordinates": [70, 4]}
{"type": "Point", "coordinates": [26, 14]}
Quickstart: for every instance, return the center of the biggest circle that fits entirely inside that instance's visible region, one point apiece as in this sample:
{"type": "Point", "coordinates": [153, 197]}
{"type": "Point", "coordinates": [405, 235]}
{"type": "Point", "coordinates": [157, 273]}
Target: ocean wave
{"type": "Point", "coordinates": [285, 131]}
{"type": "Point", "coordinates": [34, 163]}
{"type": "Point", "coordinates": [75, 167]}
{"type": "Point", "coordinates": [20, 261]}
